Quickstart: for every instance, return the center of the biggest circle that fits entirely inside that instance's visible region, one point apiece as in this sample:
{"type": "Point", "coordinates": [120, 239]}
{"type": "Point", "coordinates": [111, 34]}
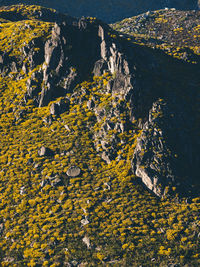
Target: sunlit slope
{"type": "Point", "coordinates": [175, 32]}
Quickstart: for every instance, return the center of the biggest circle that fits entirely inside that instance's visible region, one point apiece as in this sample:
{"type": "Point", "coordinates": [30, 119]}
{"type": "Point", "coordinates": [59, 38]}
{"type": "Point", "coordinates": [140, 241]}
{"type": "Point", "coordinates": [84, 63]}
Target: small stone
{"type": "Point", "coordinates": [86, 240]}
{"type": "Point", "coordinates": [105, 157]}
{"type": "Point", "coordinates": [74, 171]}
{"type": "Point", "coordinates": [67, 127]}
{"type": "Point", "coordinates": [57, 181]}
{"type": "Point", "coordinates": [84, 221]}
{"type": "Point", "coordinates": [90, 104]}
{"type": "Point", "coordinates": [44, 151]}
{"type": "Point", "coordinates": [22, 190]}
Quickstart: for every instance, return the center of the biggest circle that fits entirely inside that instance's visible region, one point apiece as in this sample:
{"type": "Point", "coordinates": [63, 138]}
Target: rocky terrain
{"type": "Point", "coordinates": [177, 33]}
{"type": "Point", "coordinates": [109, 10]}
{"type": "Point", "coordinates": [99, 155]}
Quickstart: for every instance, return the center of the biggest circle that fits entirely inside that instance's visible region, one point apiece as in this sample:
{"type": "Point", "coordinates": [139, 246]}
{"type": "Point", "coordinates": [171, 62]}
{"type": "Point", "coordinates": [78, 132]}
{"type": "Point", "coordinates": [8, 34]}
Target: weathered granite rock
{"type": "Point", "coordinates": [73, 171]}
{"type": "Point", "coordinates": [86, 240]}
{"type": "Point", "coordinates": [45, 151]}
{"type": "Point", "coordinates": [91, 104]}
{"type": "Point", "coordinates": [105, 156]}
{"type": "Point", "coordinates": [84, 221]}
{"type": "Point", "coordinates": [157, 155]}
{"type": "Point", "coordinates": [60, 107]}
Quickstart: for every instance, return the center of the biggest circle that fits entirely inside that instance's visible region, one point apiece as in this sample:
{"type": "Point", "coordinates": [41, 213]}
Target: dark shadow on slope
{"type": "Point", "coordinates": [159, 76]}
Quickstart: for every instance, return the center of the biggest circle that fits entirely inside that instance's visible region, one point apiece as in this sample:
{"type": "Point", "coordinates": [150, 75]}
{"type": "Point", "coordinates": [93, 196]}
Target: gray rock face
{"type": "Point", "coordinates": [57, 73]}
{"type": "Point", "coordinates": [74, 49]}
{"type": "Point", "coordinates": [53, 60]}
{"type": "Point", "coordinates": [7, 64]}
{"type": "Point", "coordinates": [86, 240]}
{"type": "Point", "coordinates": [151, 159]}
{"type": "Point", "coordinates": [68, 57]}
{"type": "Point", "coordinates": [155, 160]}
{"type": "Point", "coordinates": [73, 171]}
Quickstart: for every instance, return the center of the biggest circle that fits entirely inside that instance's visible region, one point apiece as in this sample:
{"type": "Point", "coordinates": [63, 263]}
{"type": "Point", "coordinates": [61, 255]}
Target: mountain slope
{"type": "Point", "coordinates": [175, 32]}
{"type": "Point", "coordinates": [82, 112]}
{"type": "Point", "coordinates": [110, 10]}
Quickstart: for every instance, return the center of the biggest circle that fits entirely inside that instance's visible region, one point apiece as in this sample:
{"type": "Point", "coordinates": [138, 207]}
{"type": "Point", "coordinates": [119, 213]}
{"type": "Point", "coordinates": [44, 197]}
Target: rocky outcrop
{"type": "Point", "coordinates": [164, 151]}
{"type": "Point", "coordinates": [67, 57]}
{"type": "Point", "coordinates": [86, 241]}
{"type": "Point", "coordinates": [53, 62]}
{"type": "Point", "coordinates": [153, 161]}
{"type": "Point", "coordinates": [7, 64]}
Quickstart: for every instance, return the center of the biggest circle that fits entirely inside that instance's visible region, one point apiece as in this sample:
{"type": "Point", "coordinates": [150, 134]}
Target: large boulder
{"type": "Point", "coordinates": [73, 171]}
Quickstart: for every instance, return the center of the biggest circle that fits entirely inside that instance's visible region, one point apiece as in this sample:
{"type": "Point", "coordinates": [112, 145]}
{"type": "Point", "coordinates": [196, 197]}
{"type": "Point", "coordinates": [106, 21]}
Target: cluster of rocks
{"type": "Point", "coordinates": [58, 180]}
{"type": "Point", "coordinates": [53, 181]}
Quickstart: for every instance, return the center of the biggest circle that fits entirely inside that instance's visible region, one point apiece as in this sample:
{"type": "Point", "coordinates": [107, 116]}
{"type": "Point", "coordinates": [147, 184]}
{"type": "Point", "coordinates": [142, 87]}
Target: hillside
{"type": "Point", "coordinates": [108, 10]}
{"type": "Point", "coordinates": [177, 33]}
{"type": "Point", "coordinates": [99, 153]}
